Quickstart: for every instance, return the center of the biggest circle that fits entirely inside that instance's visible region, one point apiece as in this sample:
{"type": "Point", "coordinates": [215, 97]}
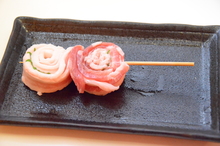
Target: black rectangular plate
{"type": "Point", "coordinates": [153, 100]}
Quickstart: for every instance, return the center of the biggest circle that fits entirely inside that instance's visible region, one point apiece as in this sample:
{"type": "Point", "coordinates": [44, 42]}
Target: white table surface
{"type": "Point", "coordinates": [195, 12]}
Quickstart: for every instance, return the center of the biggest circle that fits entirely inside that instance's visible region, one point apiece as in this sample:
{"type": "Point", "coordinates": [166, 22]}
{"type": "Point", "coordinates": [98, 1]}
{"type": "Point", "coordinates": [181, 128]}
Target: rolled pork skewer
{"type": "Point", "coordinates": [45, 68]}
{"type": "Point", "coordinates": [99, 69]}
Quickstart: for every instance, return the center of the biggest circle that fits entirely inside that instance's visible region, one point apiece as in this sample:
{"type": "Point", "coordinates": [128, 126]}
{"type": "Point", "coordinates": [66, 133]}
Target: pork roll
{"type": "Point", "coordinates": [45, 68]}
{"type": "Point", "coordinates": [99, 69]}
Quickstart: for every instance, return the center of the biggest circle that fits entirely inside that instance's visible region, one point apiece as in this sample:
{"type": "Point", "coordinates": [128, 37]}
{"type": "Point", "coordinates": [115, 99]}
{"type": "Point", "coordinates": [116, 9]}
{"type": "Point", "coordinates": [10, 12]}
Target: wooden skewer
{"type": "Point", "coordinates": [157, 63]}
{"type": "Point", "coordinates": [160, 63]}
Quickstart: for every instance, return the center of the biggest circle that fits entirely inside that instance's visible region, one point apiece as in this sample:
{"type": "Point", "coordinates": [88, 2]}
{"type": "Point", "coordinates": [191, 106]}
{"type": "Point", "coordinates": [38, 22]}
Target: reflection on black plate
{"type": "Point", "coordinates": [166, 101]}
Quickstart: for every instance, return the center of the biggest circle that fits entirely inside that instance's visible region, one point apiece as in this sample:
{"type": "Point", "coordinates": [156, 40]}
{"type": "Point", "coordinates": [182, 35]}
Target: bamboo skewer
{"type": "Point", "coordinates": [151, 63]}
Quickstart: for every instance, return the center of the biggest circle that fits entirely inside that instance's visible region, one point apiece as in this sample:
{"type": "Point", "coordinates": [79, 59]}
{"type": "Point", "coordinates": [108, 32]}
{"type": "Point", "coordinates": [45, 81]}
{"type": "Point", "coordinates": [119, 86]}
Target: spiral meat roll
{"type": "Point", "coordinates": [99, 69]}
{"type": "Point", "coordinates": [45, 68]}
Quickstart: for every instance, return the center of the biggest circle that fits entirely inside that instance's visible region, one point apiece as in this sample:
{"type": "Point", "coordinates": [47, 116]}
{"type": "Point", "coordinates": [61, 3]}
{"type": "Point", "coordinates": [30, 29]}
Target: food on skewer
{"type": "Point", "coordinates": [45, 68]}
{"type": "Point", "coordinates": [99, 69]}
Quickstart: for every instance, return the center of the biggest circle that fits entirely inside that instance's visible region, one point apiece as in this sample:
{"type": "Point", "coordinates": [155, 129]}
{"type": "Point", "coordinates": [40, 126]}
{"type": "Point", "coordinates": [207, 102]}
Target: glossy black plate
{"type": "Point", "coordinates": [153, 100]}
